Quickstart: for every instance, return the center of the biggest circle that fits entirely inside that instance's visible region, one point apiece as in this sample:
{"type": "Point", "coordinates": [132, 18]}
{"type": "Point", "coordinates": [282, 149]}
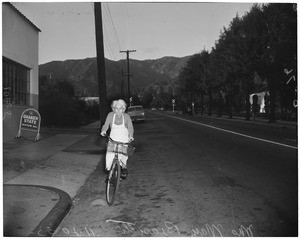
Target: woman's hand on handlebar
{"type": "Point", "coordinates": [130, 139]}
{"type": "Point", "coordinates": [103, 134]}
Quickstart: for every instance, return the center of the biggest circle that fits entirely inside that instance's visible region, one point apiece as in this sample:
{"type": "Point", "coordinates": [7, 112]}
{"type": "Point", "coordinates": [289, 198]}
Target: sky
{"type": "Point", "coordinates": [153, 30]}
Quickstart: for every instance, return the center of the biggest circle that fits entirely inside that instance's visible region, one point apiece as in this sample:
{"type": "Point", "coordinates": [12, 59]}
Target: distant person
{"type": "Point", "coordinates": [121, 130]}
{"type": "Point", "coordinates": [255, 106]}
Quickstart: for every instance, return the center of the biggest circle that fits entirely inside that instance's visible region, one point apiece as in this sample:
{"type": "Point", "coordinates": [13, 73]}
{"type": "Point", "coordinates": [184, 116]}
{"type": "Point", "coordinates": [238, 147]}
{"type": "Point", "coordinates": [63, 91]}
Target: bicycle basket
{"type": "Point", "coordinates": [120, 148]}
{"type": "Point", "coordinates": [130, 150]}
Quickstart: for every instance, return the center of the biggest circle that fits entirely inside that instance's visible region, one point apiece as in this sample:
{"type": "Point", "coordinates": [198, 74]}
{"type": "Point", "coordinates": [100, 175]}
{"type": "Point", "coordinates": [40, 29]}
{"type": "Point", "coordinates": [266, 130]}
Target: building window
{"type": "Point", "coordinates": [16, 81]}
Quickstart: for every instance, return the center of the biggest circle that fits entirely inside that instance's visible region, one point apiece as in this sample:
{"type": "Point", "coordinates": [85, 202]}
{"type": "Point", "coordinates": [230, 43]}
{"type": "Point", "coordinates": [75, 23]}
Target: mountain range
{"type": "Point", "coordinates": [82, 73]}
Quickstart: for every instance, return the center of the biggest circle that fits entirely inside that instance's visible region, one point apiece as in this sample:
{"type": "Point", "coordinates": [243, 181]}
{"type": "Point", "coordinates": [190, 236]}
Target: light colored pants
{"type": "Point", "coordinates": [110, 156]}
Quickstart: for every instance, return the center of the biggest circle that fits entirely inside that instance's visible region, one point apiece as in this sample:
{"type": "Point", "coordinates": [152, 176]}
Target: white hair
{"type": "Point", "coordinates": [113, 105]}
{"type": "Point", "coordinates": [121, 103]}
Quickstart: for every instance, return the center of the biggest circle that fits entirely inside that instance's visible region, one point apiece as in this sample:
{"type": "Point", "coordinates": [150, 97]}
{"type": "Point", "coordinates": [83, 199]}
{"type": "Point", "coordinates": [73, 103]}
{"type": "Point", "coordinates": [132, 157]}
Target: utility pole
{"type": "Point", "coordinates": [122, 85]}
{"type": "Point", "coordinates": [100, 62]}
{"type": "Point", "coordinates": [128, 75]}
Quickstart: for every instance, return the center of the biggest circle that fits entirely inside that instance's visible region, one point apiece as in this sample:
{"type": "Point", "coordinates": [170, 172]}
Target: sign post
{"type": "Point", "coordinates": [30, 121]}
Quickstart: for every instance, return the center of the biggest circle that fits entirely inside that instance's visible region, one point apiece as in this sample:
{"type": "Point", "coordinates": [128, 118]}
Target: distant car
{"type": "Point", "coordinates": [136, 112]}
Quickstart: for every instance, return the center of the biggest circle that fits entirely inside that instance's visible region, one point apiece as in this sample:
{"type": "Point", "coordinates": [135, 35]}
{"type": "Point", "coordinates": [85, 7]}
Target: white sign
{"type": "Point", "coordinates": [30, 121]}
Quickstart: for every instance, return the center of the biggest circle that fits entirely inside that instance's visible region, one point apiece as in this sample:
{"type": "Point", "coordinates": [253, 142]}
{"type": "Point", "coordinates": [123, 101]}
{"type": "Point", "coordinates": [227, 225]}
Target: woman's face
{"type": "Point", "coordinates": [119, 109]}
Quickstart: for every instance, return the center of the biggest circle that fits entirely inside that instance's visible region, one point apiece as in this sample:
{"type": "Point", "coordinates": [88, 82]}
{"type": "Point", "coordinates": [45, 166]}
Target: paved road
{"type": "Point", "coordinates": [210, 178]}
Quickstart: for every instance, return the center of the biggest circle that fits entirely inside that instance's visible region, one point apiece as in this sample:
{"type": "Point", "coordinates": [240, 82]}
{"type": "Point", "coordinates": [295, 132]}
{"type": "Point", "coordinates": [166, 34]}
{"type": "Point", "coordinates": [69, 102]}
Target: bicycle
{"type": "Point", "coordinates": [114, 174]}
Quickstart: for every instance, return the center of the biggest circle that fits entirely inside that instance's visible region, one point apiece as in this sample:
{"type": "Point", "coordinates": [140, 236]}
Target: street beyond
{"type": "Point", "coordinates": [196, 176]}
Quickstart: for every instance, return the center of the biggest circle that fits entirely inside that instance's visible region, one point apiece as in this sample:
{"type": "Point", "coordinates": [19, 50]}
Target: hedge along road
{"type": "Point", "coordinates": [186, 179]}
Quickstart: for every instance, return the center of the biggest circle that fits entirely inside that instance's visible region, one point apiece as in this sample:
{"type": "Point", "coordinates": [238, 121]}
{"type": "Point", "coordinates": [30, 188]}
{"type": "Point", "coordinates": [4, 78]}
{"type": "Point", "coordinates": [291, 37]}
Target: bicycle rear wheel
{"type": "Point", "coordinates": [113, 182]}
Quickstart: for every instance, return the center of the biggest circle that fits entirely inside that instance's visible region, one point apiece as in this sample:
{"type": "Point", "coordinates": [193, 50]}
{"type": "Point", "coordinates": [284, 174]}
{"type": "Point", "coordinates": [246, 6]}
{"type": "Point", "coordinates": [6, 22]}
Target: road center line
{"type": "Point", "coordinates": [232, 132]}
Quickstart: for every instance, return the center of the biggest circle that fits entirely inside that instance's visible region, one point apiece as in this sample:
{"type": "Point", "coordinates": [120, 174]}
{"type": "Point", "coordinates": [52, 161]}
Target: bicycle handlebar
{"type": "Point", "coordinates": [117, 142]}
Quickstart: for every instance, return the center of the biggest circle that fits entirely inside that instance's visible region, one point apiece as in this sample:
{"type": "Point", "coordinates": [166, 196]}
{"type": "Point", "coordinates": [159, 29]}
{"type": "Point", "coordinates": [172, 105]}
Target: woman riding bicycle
{"type": "Point", "coordinates": [121, 130]}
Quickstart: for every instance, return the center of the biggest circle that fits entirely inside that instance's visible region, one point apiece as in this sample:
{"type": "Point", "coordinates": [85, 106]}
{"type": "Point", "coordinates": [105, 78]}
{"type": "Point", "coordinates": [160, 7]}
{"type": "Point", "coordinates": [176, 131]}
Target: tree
{"type": "Point", "coordinates": [147, 99]}
{"type": "Point", "coordinates": [279, 43]}
{"type": "Point", "coordinates": [58, 104]}
{"type": "Point", "coordinates": [241, 57]}
{"type": "Point", "coordinates": [259, 49]}
{"type": "Point", "coordinates": [194, 78]}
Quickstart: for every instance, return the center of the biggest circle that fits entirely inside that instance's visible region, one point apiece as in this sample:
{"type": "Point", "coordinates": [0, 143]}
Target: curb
{"type": "Point", "coordinates": [53, 219]}
{"type": "Point", "coordinates": [278, 123]}
{"type": "Point", "coordinates": [50, 223]}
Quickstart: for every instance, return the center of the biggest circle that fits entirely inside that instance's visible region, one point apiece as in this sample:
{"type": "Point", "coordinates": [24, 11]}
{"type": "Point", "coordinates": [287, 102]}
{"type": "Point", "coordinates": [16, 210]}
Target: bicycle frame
{"type": "Point", "coordinates": [114, 174]}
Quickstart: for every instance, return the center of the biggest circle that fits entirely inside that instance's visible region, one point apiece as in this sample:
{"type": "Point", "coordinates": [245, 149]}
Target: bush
{"type": "Point", "coordinates": [60, 107]}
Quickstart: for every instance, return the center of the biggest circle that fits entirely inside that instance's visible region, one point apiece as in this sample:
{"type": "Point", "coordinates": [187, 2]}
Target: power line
{"type": "Point", "coordinates": [130, 24]}
{"type": "Point", "coordinates": [108, 36]}
{"type": "Point", "coordinates": [113, 26]}
{"type": "Point", "coordinates": [106, 45]}
{"type": "Point", "coordinates": [111, 35]}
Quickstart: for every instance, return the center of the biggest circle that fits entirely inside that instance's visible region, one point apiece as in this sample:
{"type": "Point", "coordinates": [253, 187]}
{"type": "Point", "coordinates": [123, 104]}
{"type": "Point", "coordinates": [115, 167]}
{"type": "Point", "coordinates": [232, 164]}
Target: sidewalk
{"type": "Point", "coordinates": [41, 178]}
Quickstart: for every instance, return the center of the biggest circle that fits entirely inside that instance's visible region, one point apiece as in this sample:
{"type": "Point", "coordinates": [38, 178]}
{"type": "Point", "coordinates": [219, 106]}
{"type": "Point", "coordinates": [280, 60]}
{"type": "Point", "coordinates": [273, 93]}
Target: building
{"type": "Point", "coordinates": [20, 41]}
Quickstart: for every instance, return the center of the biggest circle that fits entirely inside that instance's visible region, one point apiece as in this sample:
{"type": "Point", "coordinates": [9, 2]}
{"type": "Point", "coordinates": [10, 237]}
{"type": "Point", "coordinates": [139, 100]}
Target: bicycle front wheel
{"type": "Point", "coordinates": [113, 182]}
